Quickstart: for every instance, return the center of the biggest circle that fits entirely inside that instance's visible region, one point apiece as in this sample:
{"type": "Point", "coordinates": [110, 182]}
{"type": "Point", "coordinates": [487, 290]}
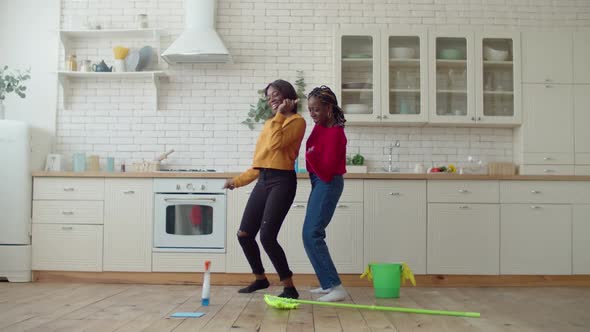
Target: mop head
{"type": "Point", "coordinates": [280, 302]}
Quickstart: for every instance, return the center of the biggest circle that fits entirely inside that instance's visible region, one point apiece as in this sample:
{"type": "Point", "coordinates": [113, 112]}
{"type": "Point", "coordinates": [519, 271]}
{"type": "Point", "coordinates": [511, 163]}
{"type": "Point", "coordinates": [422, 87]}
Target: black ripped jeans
{"type": "Point", "coordinates": [265, 211]}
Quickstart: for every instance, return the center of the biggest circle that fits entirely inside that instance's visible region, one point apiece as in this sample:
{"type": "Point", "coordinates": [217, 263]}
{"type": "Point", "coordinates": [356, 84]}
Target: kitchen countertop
{"type": "Point", "coordinates": [384, 176]}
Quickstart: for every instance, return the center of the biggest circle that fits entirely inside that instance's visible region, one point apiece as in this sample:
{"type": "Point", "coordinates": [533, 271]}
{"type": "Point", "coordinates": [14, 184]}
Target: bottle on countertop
{"type": "Point", "coordinates": [123, 166]}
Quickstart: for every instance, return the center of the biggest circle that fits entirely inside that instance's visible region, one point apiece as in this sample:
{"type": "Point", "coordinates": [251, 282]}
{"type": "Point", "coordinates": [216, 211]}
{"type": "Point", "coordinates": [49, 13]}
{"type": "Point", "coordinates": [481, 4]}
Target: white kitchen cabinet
{"type": "Point", "coordinates": [463, 238]}
{"type": "Point", "coordinates": [582, 123]}
{"type": "Point", "coordinates": [463, 227]}
{"type": "Point", "coordinates": [395, 222]}
{"type": "Point", "coordinates": [358, 69]}
{"type": "Point", "coordinates": [344, 235]}
{"type": "Point", "coordinates": [404, 77]}
{"type": "Point", "coordinates": [498, 78]}
{"type": "Point", "coordinates": [580, 242]}
{"type": "Point", "coordinates": [548, 125]}
{"type": "Point", "coordinates": [128, 225]}
{"type": "Point", "coordinates": [547, 57]}
{"type": "Point", "coordinates": [452, 87]}
{"type": "Point", "coordinates": [67, 247]}
{"type": "Point", "coordinates": [581, 55]}
{"type": "Point", "coordinates": [236, 203]}
{"type": "Point", "coordinates": [536, 239]}
{"type": "Point", "coordinates": [67, 224]}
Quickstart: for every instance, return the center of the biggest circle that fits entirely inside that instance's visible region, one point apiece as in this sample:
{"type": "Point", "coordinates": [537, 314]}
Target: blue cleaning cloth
{"type": "Point", "coordinates": [187, 314]}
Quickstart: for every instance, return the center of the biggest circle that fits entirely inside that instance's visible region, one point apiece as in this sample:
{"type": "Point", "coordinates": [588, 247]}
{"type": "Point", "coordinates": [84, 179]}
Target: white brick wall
{"type": "Point", "coordinates": [201, 106]}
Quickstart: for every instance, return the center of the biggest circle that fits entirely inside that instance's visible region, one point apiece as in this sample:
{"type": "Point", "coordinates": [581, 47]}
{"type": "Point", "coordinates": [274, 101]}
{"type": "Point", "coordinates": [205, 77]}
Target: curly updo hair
{"type": "Point", "coordinates": [327, 96]}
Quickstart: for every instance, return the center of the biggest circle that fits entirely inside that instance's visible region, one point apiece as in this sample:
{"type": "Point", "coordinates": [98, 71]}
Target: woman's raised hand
{"type": "Point", "coordinates": [229, 184]}
{"type": "Point", "coordinates": [287, 106]}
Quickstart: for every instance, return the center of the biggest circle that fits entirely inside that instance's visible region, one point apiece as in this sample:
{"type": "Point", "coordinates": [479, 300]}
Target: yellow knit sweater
{"type": "Point", "coordinates": [277, 146]}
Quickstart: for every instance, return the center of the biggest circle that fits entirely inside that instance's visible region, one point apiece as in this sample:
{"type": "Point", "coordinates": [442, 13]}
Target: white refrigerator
{"type": "Point", "coordinates": [15, 201]}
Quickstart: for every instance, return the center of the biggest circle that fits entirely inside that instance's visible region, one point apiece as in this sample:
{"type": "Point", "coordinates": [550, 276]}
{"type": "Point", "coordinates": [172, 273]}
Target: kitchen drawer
{"type": "Point", "coordinates": [555, 192]}
{"type": "Point", "coordinates": [548, 158]}
{"type": "Point", "coordinates": [582, 170]}
{"type": "Point", "coordinates": [463, 191]}
{"type": "Point", "coordinates": [352, 192]}
{"type": "Point", "coordinates": [69, 189]}
{"type": "Point", "coordinates": [68, 212]}
{"type": "Point", "coordinates": [187, 261]}
{"type": "Point", "coordinates": [67, 247]}
{"type": "Point", "coordinates": [582, 158]}
{"type": "Point", "coordinates": [547, 169]}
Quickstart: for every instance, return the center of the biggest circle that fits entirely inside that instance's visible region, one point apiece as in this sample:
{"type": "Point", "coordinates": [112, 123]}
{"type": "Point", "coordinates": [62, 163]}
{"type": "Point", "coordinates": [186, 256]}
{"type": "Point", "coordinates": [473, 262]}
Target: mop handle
{"type": "Point", "coordinates": [398, 309]}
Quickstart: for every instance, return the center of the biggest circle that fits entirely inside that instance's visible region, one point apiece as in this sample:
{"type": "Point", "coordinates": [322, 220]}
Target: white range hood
{"type": "Point", "coordinates": [199, 42]}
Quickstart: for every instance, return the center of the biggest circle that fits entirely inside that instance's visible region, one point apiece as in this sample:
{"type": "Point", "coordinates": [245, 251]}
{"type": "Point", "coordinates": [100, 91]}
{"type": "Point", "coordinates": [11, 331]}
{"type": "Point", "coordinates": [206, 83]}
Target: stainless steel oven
{"type": "Point", "coordinates": [189, 214]}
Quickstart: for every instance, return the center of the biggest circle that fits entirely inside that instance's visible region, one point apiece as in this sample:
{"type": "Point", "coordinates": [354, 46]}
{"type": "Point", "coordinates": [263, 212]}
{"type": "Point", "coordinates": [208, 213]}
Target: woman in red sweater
{"type": "Point", "coordinates": [326, 163]}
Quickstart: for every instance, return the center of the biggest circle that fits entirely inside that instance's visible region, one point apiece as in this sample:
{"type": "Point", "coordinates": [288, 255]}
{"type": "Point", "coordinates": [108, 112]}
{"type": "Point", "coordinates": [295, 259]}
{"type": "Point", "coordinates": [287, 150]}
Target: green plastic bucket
{"type": "Point", "coordinates": [386, 279]}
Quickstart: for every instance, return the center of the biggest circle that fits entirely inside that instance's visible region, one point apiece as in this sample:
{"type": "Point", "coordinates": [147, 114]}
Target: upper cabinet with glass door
{"type": "Point", "coordinates": [451, 78]}
{"type": "Point", "coordinates": [405, 77]}
{"type": "Point", "coordinates": [498, 78]}
{"type": "Point", "coordinates": [357, 74]}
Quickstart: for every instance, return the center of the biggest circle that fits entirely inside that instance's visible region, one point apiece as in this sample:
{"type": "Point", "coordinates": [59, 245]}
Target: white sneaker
{"type": "Point", "coordinates": [337, 293]}
{"type": "Point", "coordinates": [320, 290]}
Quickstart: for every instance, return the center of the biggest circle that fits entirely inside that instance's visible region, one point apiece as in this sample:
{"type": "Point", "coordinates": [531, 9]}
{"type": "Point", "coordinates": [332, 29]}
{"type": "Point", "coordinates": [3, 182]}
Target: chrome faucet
{"type": "Point", "coordinates": [390, 167]}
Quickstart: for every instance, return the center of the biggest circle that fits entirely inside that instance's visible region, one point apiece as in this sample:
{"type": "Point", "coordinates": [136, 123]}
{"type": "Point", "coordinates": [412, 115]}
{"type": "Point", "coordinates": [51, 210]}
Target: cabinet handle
{"type": "Point", "coordinates": [535, 191]}
{"type": "Point", "coordinates": [342, 206]}
{"type": "Point", "coordinates": [67, 228]}
{"type": "Point", "coordinates": [129, 192]}
{"type": "Point", "coordinates": [379, 117]}
{"type": "Point", "coordinates": [547, 158]}
{"type": "Point", "coordinates": [535, 207]}
{"type": "Point", "coordinates": [464, 207]}
{"type": "Point", "coordinates": [69, 189]}
{"type": "Point", "coordinates": [548, 86]}
{"type": "Point", "coordinates": [385, 117]}
{"type": "Point", "coordinates": [548, 170]}
{"type": "Point", "coordinates": [479, 118]}
{"type": "Point", "coordinates": [298, 205]}
{"type": "Point", "coordinates": [472, 118]}
{"type": "Point", "coordinates": [463, 191]}
{"type": "Point", "coordinates": [547, 80]}
{"type": "Point", "coordinates": [67, 213]}
{"type": "Point", "coordinates": [395, 194]}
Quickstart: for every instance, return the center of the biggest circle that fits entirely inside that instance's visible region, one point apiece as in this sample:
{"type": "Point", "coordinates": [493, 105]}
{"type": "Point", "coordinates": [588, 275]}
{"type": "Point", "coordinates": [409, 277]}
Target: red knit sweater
{"type": "Point", "coordinates": [325, 154]}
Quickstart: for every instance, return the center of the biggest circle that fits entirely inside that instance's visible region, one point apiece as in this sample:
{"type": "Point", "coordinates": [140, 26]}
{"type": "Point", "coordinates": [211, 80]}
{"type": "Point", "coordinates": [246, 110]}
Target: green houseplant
{"type": "Point", "coordinates": [12, 81]}
{"type": "Point", "coordinates": [262, 111]}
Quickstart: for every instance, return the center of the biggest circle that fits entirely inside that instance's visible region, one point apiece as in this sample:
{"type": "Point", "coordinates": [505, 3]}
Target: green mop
{"type": "Point", "coordinates": [287, 304]}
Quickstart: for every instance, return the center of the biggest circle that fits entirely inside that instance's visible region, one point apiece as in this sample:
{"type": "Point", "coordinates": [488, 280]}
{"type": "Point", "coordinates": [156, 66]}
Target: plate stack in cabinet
{"type": "Point", "coordinates": [554, 139]}
{"type": "Point", "coordinates": [68, 224]}
{"type": "Point", "coordinates": [463, 227]}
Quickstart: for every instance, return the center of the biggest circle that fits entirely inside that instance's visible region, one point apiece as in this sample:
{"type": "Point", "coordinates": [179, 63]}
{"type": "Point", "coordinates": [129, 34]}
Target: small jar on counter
{"type": "Point", "coordinates": [72, 63]}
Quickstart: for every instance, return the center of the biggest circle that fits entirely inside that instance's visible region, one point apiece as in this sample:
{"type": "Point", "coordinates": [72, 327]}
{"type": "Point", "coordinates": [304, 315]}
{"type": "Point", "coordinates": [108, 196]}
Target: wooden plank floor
{"type": "Point", "coordinates": [125, 307]}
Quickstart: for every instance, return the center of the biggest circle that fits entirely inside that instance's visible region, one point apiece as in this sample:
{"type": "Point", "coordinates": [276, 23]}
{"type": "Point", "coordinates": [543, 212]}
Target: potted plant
{"type": "Point", "coordinates": [262, 111]}
{"type": "Point", "coordinates": [12, 81]}
{"type": "Point", "coordinates": [355, 164]}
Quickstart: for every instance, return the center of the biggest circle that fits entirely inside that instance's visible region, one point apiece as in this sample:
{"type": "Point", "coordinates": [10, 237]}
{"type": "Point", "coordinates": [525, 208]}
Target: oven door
{"type": "Point", "coordinates": [189, 221]}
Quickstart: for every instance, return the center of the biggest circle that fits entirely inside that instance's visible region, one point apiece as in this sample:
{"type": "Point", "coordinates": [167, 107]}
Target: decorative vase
{"type": "Point", "coordinates": [1, 110]}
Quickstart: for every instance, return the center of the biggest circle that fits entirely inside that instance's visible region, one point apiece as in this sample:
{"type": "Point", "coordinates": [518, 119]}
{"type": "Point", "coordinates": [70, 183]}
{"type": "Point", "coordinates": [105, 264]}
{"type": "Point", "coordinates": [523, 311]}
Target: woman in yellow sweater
{"type": "Point", "coordinates": [273, 165]}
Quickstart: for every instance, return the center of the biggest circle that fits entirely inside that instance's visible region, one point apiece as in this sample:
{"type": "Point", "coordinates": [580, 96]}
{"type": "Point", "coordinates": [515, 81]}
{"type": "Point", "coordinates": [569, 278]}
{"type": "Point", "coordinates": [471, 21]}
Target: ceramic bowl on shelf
{"type": "Point", "coordinates": [450, 54]}
{"type": "Point", "coordinates": [145, 58]}
{"type": "Point", "coordinates": [402, 52]}
{"type": "Point", "coordinates": [356, 109]}
{"type": "Point", "coordinates": [493, 54]}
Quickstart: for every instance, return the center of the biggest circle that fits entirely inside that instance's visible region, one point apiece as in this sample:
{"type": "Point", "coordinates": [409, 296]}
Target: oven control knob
{"type": "Point", "coordinates": [189, 186]}
{"type": "Point", "coordinates": [177, 187]}
{"type": "Point", "coordinates": [203, 187]}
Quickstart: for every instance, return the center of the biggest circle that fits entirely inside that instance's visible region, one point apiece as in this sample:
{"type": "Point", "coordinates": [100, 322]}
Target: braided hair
{"type": "Point", "coordinates": [327, 96]}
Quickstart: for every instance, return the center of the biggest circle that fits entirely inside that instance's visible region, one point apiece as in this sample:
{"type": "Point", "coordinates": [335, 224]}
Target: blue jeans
{"type": "Point", "coordinates": [320, 209]}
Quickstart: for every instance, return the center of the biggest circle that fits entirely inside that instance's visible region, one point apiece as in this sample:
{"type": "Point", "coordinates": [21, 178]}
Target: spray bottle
{"type": "Point", "coordinates": [206, 284]}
